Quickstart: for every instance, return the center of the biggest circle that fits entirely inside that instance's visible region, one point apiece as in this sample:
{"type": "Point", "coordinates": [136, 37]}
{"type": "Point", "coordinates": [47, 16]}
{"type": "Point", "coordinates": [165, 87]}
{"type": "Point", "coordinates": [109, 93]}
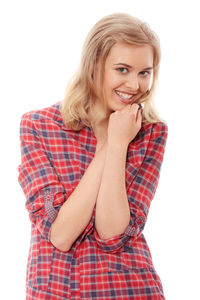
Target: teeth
{"type": "Point", "coordinates": [124, 96]}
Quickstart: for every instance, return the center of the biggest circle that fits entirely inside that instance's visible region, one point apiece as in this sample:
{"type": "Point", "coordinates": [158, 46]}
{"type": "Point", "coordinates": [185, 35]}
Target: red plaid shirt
{"type": "Point", "coordinates": [53, 160]}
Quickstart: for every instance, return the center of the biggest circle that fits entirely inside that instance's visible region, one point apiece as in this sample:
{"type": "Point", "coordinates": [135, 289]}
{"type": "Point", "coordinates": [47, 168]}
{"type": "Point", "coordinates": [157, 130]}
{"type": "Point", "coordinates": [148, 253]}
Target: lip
{"type": "Point", "coordinates": [127, 101]}
{"type": "Point", "coordinates": [126, 92]}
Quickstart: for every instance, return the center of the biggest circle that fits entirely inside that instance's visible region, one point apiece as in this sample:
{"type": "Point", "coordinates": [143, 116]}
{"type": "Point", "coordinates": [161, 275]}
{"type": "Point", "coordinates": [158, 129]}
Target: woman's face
{"type": "Point", "coordinates": [128, 74]}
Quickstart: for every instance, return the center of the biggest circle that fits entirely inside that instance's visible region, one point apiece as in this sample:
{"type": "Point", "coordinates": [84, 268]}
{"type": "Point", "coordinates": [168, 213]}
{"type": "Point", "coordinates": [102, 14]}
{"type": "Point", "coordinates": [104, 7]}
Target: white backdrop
{"type": "Point", "coordinates": [40, 49]}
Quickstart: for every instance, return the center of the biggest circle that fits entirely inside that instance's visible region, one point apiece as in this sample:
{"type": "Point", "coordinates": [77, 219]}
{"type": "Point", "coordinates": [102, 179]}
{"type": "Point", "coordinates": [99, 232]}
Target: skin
{"type": "Point", "coordinates": [105, 174]}
{"type": "Point", "coordinates": [135, 79]}
{"type": "Point", "coordinates": [112, 207]}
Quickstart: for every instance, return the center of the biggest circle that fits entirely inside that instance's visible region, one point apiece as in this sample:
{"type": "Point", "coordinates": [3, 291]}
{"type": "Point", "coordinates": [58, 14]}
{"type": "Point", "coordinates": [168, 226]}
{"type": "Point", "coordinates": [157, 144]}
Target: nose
{"type": "Point", "coordinates": [132, 82]}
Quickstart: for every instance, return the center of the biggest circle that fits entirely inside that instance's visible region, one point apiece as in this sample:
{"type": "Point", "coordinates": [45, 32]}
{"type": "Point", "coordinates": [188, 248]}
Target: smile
{"type": "Point", "coordinates": [125, 96]}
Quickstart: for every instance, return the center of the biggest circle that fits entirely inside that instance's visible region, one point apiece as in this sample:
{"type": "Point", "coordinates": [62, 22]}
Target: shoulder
{"type": "Point", "coordinates": [44, 119]}
{"type": "Point", "coordinates": [40, 121]}
{"type": "Point", "coordinates": [48, 113]}
{"type": "Point", "coordinates": [159, 132]}
{"type": "Point", "coordinates": [155, 129]}
{"type": "Point", "coordinates": [150, 133]}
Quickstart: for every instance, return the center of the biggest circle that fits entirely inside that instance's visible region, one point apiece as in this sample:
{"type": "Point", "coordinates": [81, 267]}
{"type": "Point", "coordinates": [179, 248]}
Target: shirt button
{"type": "Point", "coordinates": [47, 195]}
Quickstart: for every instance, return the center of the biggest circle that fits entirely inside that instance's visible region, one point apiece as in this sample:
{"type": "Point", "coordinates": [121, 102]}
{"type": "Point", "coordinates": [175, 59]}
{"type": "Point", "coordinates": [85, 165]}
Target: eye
{"type": "Point", "coordinates": [122, 70]}
{"type": "Point", "coordinates": [145, 73]}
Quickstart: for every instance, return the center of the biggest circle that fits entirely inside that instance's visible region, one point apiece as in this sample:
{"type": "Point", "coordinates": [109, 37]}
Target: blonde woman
{"type": "Point", "coordinates": [90, 168]}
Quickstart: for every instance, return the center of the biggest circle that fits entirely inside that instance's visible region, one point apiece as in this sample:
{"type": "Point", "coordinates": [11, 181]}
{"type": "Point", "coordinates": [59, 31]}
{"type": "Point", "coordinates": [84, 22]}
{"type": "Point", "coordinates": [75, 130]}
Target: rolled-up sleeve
{"type": "Point", "coordinates": [141, 190]}
{"type": "Point", "coordinates": [43, 191]}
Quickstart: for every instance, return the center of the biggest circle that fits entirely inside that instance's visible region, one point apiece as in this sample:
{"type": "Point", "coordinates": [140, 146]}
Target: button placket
{"type": "Point", "coordinates": [50, 210]}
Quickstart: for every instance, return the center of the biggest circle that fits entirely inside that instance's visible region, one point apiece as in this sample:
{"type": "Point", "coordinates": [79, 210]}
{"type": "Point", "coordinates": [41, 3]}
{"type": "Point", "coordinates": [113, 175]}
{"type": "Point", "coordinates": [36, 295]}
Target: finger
{"type": "Point", "coordinates": [134, 107]}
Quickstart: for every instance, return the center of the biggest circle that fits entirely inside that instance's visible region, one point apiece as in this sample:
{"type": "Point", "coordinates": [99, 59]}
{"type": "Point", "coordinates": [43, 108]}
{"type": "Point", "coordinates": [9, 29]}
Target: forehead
{"type": "Point", "coordinates": [131, 55]}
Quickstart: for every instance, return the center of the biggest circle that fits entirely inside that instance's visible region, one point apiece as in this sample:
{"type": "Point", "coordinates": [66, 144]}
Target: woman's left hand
{"type": "Point", "coordinates": [124, 125]}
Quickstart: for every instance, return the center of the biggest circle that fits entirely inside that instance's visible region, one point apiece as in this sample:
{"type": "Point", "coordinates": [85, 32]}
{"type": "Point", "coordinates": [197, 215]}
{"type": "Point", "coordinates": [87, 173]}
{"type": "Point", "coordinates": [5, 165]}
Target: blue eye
{"type": "Point", "coordinates": [143, 73]}
{"type": "Point", "coordinates": [122, 70]}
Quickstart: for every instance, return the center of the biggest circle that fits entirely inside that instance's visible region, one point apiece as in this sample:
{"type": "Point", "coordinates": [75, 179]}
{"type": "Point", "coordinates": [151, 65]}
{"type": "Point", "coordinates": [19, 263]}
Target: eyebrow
{"type": "Point", "coordinates": [148, 68]}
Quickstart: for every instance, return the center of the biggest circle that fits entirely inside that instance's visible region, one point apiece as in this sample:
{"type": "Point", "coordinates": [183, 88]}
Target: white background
{"type": "Point", "coordinates": [40, 49]}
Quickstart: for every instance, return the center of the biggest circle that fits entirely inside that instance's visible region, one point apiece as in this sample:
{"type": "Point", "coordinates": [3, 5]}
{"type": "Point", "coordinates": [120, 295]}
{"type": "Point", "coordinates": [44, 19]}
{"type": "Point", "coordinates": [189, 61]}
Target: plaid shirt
{"type": "Point", "coordinates": [53, 160]}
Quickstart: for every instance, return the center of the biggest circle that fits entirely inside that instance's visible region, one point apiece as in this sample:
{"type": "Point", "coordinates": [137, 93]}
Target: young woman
{"type": "Point", "coordinates": [90, 168]}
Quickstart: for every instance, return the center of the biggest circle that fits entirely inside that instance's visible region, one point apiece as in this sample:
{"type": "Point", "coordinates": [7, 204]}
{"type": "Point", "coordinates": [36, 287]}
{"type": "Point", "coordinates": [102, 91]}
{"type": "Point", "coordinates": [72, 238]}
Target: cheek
{"type": "Point", "coordinates": [145, 85]}
{"type": "Point", "coordinates": [110, 84]}
{"type": "Point", "coordinates": [112, 81]}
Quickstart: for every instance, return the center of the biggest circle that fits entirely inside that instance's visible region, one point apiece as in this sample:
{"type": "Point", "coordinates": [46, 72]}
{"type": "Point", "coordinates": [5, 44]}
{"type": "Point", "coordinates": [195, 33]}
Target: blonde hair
{"type": "Point", "coordinates": [81, 91]}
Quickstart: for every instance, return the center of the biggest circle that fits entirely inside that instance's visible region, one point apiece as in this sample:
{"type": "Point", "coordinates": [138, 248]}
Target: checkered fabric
{"type": "Point", "coordinates": [53, 160]}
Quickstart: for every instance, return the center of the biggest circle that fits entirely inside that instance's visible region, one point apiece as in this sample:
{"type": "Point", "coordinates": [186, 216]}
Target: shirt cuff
{"type": "Point", "coordinates": [43, 219]}
{"type": "Point", "coordinates": [116, 243]}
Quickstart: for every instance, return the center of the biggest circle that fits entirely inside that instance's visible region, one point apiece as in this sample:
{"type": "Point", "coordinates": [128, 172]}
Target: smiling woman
{"type": "Point", "coordinates": [130, 80]}
{"type": "Point", "coordinates": [118, 42]}
{"type": "Point", "coordinates": [90, 168]}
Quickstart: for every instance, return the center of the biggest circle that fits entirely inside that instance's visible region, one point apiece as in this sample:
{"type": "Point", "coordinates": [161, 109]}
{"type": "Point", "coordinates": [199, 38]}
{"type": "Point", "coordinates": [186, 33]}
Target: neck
{"type": "Point", "coordinates": [97, 117]}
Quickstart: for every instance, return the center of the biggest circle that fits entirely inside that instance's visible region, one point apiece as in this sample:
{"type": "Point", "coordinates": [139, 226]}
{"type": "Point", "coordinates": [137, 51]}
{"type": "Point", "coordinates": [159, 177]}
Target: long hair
{"type": "Point", "coordinates": [81, 91]}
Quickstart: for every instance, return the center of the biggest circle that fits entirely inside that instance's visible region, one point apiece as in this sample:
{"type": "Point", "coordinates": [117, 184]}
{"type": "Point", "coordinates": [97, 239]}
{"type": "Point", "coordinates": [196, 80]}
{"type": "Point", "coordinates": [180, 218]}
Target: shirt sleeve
{"type": "Point", "coordinates": [141, 190]}
{"type": "Point", "coordinates": [44, 192]}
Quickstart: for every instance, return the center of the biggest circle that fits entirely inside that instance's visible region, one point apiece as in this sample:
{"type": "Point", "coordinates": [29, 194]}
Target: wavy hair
{"type": "Point", "coordinates": [81, 90]}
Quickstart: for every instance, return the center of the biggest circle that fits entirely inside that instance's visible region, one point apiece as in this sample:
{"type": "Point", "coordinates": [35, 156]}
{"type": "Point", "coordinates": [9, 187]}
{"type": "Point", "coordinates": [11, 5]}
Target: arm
{"type": "Point", "coordinates": [58, 220]}
{"type": "Point", "coordinates": [141, 186]}
{"type": "Point", "coordinates": [141, 183]}
{"type": "Point", "coordinates": [112, 208]}
{"type": "Point", "coordinates": [76, 212]}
